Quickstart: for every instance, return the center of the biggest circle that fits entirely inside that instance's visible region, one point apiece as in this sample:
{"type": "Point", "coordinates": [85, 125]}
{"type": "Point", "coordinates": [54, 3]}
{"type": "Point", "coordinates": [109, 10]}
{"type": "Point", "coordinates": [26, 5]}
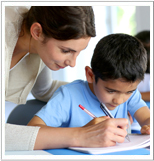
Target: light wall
{"type": "Point", "coordinates": [142, 18]}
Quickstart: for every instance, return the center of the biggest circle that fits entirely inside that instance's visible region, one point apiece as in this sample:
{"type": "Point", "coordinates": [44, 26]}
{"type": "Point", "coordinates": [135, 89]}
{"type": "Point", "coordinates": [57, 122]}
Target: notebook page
{"type": "Point", "coordinates": [136, 141]}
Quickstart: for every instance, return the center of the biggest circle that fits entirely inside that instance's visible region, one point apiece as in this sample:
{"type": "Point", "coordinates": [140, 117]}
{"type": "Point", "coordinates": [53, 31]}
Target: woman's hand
{"type": "Point", "coordinates": [103, 134]}
{"type": "Point", "coordinates": [96, 120]}
{"type": "Point", "coordinates": [145, 129]}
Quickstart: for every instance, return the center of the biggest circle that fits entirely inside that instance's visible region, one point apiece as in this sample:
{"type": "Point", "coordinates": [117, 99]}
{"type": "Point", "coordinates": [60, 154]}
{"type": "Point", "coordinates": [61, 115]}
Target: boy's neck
{"type": "Point", "coordinates": [91, 87]}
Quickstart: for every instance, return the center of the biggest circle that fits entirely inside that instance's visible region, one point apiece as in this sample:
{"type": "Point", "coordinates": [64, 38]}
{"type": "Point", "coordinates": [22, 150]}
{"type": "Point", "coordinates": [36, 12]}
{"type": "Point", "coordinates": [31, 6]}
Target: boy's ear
{"type": "Point", "coordinates": [89, 75]}
{"type": "Point", "coordinates": [36, 31]}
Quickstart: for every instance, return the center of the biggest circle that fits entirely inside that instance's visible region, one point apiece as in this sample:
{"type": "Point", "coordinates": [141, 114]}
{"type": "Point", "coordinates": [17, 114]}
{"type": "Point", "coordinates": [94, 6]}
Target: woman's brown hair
{"type": "Point", "coordinates": [62, 22]}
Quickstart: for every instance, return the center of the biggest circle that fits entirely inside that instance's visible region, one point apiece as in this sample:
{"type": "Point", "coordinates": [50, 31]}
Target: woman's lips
{"type": "Point", "coordinates": [60, 66]}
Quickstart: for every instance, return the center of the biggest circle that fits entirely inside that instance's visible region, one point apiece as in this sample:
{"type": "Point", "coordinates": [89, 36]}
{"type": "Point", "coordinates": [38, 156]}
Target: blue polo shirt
{"type": "Point", "coordinates": [63, 110]}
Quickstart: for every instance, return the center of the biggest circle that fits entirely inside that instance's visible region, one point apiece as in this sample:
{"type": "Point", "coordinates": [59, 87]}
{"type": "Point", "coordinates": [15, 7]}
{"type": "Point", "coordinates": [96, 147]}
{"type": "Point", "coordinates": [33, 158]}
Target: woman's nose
{"type": "Point", "coordinates": [71, 62]}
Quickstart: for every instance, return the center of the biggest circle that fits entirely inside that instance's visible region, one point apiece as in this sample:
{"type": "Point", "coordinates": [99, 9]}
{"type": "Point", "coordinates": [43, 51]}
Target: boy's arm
{"type": "Point", "coordinates": [145, 96]}
{"type": "Point", "coordinates": [36, 121]}
{"type": "Point", "coordinates": [142, 115]}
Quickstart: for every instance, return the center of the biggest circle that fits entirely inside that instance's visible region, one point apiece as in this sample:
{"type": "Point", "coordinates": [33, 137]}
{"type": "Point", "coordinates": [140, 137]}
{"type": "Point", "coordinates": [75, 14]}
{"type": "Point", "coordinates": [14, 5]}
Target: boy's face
{"type": "Point", "coordinates": [112, 92]}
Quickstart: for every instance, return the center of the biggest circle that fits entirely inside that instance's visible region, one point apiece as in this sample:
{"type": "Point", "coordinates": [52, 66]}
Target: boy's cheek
{"type": "Point", "coordinates": [106, 99]}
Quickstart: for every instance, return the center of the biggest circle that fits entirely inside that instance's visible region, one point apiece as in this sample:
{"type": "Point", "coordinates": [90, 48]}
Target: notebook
{"type": "Point", "coordinates": [136, 141]}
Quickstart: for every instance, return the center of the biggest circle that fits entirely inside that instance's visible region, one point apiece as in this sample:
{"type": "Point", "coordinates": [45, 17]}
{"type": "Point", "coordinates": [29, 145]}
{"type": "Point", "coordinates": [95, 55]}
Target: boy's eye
{"type": "Point", "coordinates": [110, 91]}
{"type": "Point", "coordinates": [130, 92]}
{"type": "Point", "coordinates": [65, 51]}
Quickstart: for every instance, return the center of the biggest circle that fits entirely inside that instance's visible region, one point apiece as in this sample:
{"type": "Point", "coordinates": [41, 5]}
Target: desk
{"type": "Point", "coordinates": [70, 155]}
{"type": "Point", "coordinates": [141, 151]}
{"type": "Point", "coordinates": [34, 152]}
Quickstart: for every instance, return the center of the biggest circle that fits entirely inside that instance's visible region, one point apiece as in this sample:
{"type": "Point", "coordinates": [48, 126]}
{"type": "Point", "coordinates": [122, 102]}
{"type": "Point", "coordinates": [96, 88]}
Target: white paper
{"type": "Point", "coordinates": [136, 141]}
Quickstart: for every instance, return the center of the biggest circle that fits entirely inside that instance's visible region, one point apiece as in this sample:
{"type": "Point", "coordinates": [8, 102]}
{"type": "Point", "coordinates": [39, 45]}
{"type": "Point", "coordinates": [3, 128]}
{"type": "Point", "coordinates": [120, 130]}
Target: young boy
{"type": "Point", "coordinates": [117, 67]}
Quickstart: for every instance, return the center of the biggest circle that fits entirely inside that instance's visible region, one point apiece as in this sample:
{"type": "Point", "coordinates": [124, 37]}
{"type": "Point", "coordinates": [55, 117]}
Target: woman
{"type": "Point", "coordinates": [38, 40]}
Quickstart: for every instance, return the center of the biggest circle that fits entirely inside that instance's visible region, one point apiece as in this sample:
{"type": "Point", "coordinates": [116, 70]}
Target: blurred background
{"type": "Point", "coordinates": [108, 20]}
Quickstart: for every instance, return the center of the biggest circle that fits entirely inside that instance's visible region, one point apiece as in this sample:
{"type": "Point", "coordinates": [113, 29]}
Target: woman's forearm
{"type": "Point", "coordinates": [52, 137]}
{"type": "Point", "coordinates": [105, 133]}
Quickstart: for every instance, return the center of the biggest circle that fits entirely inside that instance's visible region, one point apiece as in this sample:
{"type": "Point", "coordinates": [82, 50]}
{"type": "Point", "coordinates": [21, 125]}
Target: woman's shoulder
{"type": "Point", "coordinates": [13, 13]}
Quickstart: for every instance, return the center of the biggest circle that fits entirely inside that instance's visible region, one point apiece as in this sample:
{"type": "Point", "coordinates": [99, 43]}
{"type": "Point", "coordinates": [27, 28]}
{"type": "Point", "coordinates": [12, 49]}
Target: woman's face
{"type": "Point", "coordinates": [57, 54]}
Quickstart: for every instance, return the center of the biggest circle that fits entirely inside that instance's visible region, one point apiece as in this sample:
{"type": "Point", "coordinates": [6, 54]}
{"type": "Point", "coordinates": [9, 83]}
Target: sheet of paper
{"type": "Point", "coordinates": [136, 141]}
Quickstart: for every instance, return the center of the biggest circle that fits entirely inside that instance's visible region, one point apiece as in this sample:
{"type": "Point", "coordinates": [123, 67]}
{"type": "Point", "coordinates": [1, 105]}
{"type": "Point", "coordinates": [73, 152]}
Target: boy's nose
{"type": "Point", "coordinates": [118, 100]}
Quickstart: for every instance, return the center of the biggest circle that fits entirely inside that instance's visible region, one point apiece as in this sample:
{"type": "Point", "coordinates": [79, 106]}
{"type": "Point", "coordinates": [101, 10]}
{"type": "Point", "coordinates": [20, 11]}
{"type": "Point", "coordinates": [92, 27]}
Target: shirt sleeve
{"type": "Point", "coordinates": [135, 102]}
{"type": "Point", "coordinates": [45, 86]}
{"type": "Point", "coordinates": [56, 112]}
{"type": "Point", "coordinates": [19, 137]}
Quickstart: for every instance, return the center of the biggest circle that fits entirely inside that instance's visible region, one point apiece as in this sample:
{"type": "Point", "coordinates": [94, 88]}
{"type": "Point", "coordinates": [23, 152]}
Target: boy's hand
{"type": "Point", "coordinates": [97, 120]}
{"type": "Point", "coordinates": [145, 129]}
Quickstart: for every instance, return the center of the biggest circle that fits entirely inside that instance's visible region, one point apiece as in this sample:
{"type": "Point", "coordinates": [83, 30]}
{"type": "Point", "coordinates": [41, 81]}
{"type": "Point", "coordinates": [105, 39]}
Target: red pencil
{"type": "Point", "coordinates": [88, 112]}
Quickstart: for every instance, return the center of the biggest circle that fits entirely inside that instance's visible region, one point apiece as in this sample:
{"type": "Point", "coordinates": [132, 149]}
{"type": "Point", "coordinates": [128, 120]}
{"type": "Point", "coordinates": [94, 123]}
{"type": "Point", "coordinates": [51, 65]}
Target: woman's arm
{"type": "Point", "coordinates": [102, 134]}
{"type": "Point", "coordinates": [19, 137]}
{"type": "Point", "coordinates": [44, 86]}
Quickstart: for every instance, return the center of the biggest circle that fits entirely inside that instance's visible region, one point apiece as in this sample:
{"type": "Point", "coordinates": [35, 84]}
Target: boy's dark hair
{"type": "Point", "coordinates": [119, 56]}
{"type": "Point", "coordinates": [144, 37]}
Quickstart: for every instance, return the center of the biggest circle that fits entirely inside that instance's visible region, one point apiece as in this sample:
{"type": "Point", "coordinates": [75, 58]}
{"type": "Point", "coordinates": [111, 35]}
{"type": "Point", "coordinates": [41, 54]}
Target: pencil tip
{"type": "Point", "coordinates": [127, 137]}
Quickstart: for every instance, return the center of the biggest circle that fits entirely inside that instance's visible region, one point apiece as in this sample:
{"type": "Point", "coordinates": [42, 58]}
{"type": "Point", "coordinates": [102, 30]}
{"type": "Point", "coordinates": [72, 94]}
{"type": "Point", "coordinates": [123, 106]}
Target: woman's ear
{"type": "Point", "coordinates": [36, 31]}
{"type": "Point", "coordinates": [89, 75]}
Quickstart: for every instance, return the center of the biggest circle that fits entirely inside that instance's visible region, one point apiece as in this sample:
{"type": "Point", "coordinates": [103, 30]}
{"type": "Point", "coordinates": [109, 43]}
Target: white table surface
{"type": "Point", "coordinates": [34, 152]}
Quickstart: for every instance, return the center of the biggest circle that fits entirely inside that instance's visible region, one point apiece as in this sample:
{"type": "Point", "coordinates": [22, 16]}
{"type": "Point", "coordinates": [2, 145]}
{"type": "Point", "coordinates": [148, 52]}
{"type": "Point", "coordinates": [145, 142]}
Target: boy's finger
{"type": "Point", "coordinates": [145, 130]}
